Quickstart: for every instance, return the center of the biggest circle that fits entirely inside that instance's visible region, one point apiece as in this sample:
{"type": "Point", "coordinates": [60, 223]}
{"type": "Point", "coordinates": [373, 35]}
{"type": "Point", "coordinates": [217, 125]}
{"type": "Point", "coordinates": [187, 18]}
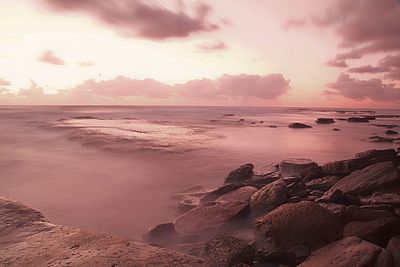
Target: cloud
{"type": "Point", "coordinates": [86, 64]}
{"type": "Point", "coordinates": [50, 58]}
{"type": "Point", "coordinates": [212, 46]}
{"type": "Point", "coordinates": [33, 91]}
{"type": "Point", "coordinates": [138, 18]}
{"type": "Point", "coordinates": [294, 23]}
{"type": "Point", "coordinates": [367, 69]}
{"type": "Point", "coordinates": [337, 63]}
{"type": "Point", "coordinates": [4, 82]}
{"type": "Point", "coordinates": [373, 89]}
{"type": "Point", "coordinates": [268, 86]}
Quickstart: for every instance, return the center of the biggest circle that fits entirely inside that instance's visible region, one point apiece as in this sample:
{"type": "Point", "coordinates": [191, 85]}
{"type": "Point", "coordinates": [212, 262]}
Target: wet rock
{"type": "Point", "coordinates": [393, 248]}
{"type": "Point", "coordinates": [392, 199]}
{"type": "Point", "coordinates": [216, 193]}
{"type": "Point", "coordinates": [316, 193]}
{"type": "Point", "coordinates": [325, 121]}
{"type": "Point", "coordinates": [384, 259]}
{"type": "Point", "coordinates": [391, 132]}
{"type": "Point", "coordinates": [336, 209]}
{"type": "Point", "coordinates": [188, 202]}
{"type": "Point", "coordinates": [292, 179]}
{"type": "Point", "coordinates": [336, 129]}
{"type": "Point", "coordinates": [357, 119]}
{"type": "Point", "coordinates": [241, 174]}
{"type": "Point", "coordinates": [371, 178]}
{"type": "Point", "coordinates": [83, 117]}
{"type": "Point", "coordinates": [343, 167]}
{"type": "Point", "coordinates": [381, 139]}
{"type": "Point", "coordinates": [311, 173]}
{"type": "Point", "coordinates": [225, 251]}
{"type": "Point", "coordinates": [160, 234]}
{"type": "Point", "coordinates": [241, 194]}
{"type": "Point", "coordinates": [377, 231]}
{"type": "Point", "coordinates": [323, 184]}
{"type": "Point", "coordinates": [374, 154]}
{"type": "Point", "coordinates": [210, 216]}
{"type": "Point", "coordinates": [387, 126]}
{"type": "Point", "coordinates": [349, 251]}
{"type": "Point", "coordinates": [304, 223]}
{"type": "Point", "coordinates": [294, 166]}
{"type": "Point", "coordinates": [358, 213]}
{"type": "Point", "coordinates": [297, 125]}
{"type": "Point", "coordinates": [228, 115]}
{"type": "Point", "coordinates": [268, 197]}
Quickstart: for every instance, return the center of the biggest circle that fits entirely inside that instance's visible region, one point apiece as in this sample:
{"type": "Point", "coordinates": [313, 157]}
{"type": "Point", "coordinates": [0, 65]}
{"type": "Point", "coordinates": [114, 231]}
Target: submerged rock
{"type": "Point", "coordinates": [391, 132]}
{"type": "Point", "coordinates": [358, 119]}
{"type": "Point", "coordinates": [210, 216]}
{"type": "Point", "coordinates": [368, 179]}
{"type": "Point", "coordinates": [294, 166]}
{"type": "Point", "coordinates": [226, 251]}
{"type": "Point", "coordinates": [268, 197]}
{"type": "Point", "coordinates": [325, 121]}
{"type": "Point", "coordinates": [297, 125]}
{"type": "Point", "coordinates": [349, 251]}
{"type": "Point", "coordinates": [304, 223]}
{"type": "Point", "coordinates": [241, 194]}
{"type": "Point", "coordinates": [241, 174]}
{"type": "Point", "coordinates": [162, 233]}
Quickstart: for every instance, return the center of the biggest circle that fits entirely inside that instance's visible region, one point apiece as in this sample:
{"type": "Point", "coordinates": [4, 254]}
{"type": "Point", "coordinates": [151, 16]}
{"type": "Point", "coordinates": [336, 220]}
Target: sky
{"type": "Point", "coordinates": [306, 53]}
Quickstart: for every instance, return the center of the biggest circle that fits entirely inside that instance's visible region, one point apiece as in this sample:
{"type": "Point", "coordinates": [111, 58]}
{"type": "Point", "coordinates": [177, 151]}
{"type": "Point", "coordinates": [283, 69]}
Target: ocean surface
{"type": "Point", "coordinates": [115, 168]}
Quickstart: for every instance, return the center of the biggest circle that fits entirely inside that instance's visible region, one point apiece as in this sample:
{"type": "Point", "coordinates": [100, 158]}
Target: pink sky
{"type": "Point", "coordinates": [343, 53]}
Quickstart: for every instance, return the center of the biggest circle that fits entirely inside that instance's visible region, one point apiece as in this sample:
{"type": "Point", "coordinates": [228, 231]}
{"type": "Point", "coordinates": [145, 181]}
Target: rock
{"type": "Point", "coordinates": [241, 174]}
{"type": "Point", "coordinates": [357, 119]}
{"type": "Point", "coordinates": [325, 121]}
{"type": "Point", "coordinates": [337, 196]}
{"type": "Point", "coordinates": [323, 184]}
{"type": "Point", "coordinates": [160, 234]}
{"type": "Point", "coordinates": [188, 202]}
{"type": "Point", "coordinates": [304, 223]}
{"type": "Point", "coordinates": [241, 194]}
{"type": "Point", "coordinates": [268, 197]}
{"type": "Point", "coordinates": [349, 251]}
{"type": "Point", "coordinates": [356, 213]}
{"type": "Point", "coordinates": [372, 154]}
{"type": "Point", "coordinates": [392, 199]}
{"type": "Point", "coordinates": [297, 125]}
{"type": "Point", "coordinates": [228, 115]}
{"type": "Point", "coordinates": [83, 117]}
{"type": "Point", "coordinates": [225, 251]}
{"type": "Point", "coordinates": [278, 257]}
{"type": "Point", "coordinates": [336, 129]}
{"type": "Point", "coordinates": [27, 239]}
{"type": "Point", "coordinates": [216, 193]}
{"type": "Point", "coordinates": [241, 120]}
{"type": "Point", "coordinates": [391, 132]}
{"type": "Point", "coordinates": [393, 248]}
{"type": "Point", "coordinates": [377, 231]}
{"type": "Point", "coordinates": [381, 139]}
{"type": "Point", "coordinates": [316, 193]}
{"type": "Point", "coordinates": [210, 216]}
{"type": "Point", "coordinates": [292, 179]}
{"type": "Point", "coordinates": [343, 167]}
{"type": "Point", "coordinates": [384, 259]}
{"type": "Point", "coordinates": [371, 178]}
{"type": "Point", "coordinates": [311, 173]}
{"type": "Point", "coordinates": [294, 166]}
{"type": "Point", "coordinates": [387, 126]}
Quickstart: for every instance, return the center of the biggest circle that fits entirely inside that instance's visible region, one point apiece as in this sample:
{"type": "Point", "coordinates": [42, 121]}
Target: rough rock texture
{"type": "Point", "coordinates": [377, 231]}
{"type": "Point", "coordinates": [343, 167]}
{"type": "Point", "coordinates": [188, 202]}
{"type": "Point", "coordinates": [160, 233]}
{"type": "Point", "coordinates": [393, 248]}
{"type": "Point", "coordinates": [269, 197]}
{"type": "Point", "coordinates": [294, 166]}
{"type": "Point", "coordinates": [349, 251]}
{"type": "Point", "coordinates": [356, 213]}
{"type": "Point", "coordinates": [297, 125]}
{"type": "Point", "coordinates": [375, 153]}
{"type": "Point", "coordinates": [368, 179]}
{"type": "Point", "coordinates": [392, 199]}
{"type": "Point", "coordinates": [225, 251]}
{"type": "Point", "coordinates": [216, 193]}
{"type": "Point", "coordinates": [323, 184]}
{"type": "Point", "coordinates": [241, 194]}
{"type": "Point", "coordinates": [27, 239]}
{"type": "Point", "coordinates": [241, 174]}
{"type": "Point", "coordinates": [209, 216]}
{"type": "Point", "coordinates": [304, 223]}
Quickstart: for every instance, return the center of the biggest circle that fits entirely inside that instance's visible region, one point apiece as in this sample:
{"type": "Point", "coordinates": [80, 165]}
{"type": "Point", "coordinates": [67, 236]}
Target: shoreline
{"type": "Point", "coordinates": [296, 213]}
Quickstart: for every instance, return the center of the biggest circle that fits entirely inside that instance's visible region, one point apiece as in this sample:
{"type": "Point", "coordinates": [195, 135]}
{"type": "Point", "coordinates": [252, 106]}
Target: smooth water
{"type": "Point", "coordinates": [114, 169]}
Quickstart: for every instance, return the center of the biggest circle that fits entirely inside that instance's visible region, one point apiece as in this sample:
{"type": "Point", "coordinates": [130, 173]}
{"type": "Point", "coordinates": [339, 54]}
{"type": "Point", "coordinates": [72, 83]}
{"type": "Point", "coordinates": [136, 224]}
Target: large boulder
{"type": "Point", "coordinates": [393, 248]}
{"type": "Point", "coordinates": [241, 174]}
{"type": "Point", "coordinates": [325, 121]}
{"type": "Point", "coordinates": [241, 194]}
{"type": "Point", "coordinates": [374, 154]}
{"type": "Point", "coordinates": [304, 223]}
{"type": "Point", "coordinates": [343, 167]}
{"type": "Point", "coordinates": [323, 183]}
{"type": "Point", "coordinates": [371, 178]}
{"type": "Point", "coordinates": [349, 251]}
{"type": "Point", "coordinates": [269, 197]}
{"type": "Point", "coordinates": [216, 193]}
{"type": "Point", "coordinates": [294, 166]}
{"type": "Point", "coordinates": [392, 199]}
{"type": "Point", "coordinates": [363, 214]}
{"type": "Point", "coordinates": [377, 231]}
{"type": "Point", "coordinates": [225, 251]}
{"type": "Point", "coordinates": [210, 216]}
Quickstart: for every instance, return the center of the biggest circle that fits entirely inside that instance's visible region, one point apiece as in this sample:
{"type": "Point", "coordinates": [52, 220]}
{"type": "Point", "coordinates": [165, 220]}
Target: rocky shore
{"type": "Point", "coordinates": [295, 213]}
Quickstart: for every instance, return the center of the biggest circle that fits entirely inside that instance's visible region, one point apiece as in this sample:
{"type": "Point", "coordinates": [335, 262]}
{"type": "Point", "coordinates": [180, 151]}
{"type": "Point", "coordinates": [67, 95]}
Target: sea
{"type": "Point", "coordinates": [116, 169]}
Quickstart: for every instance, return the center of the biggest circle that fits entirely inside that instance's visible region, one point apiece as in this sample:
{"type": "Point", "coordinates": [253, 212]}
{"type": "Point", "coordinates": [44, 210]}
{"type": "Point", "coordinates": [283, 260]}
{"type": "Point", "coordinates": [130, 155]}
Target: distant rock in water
{"type": "Point", "coordinates": [85, 118]}
{"type": "Point", "coordinates": [358, 119]}
{"type": "Point", "coordinates": [298, 125]}
{"type": "Point", "coordinates": [241, 174]}
{"type": "Point", "coordinates": [325, 121]}
{"type": "Point", "coordinates": [381, 139]}
{"type": "Point", "coordinates": [241, 120]}
{"type": "Point", "coordinates": [391, 132]}
{"type": "Point", "coordinates": [228, 115]}
{"type": "Point", "coordinates": [336, 129]}
{"type": "Point", "coordinates": [387, 126]}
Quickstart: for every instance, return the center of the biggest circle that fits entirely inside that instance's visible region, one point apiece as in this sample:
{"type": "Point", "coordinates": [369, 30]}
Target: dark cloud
{"type": "Point", "coordinates": [212, 46]}
{"type": "Point", "coordinates": [138, 18]}
{"type": "Point", "coordinates": [337, 63]}
{"type": "Point", "coordinates": [50, 58]}
{"type": "Point", "coordinates": [367, 69]}
{"type": "Point", "coordinates": [373, 89]}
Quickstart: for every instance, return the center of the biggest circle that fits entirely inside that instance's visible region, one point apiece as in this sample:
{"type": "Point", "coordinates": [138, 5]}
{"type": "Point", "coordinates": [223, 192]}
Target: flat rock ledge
{"type": "Point", "coordinates": [28, 239]}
